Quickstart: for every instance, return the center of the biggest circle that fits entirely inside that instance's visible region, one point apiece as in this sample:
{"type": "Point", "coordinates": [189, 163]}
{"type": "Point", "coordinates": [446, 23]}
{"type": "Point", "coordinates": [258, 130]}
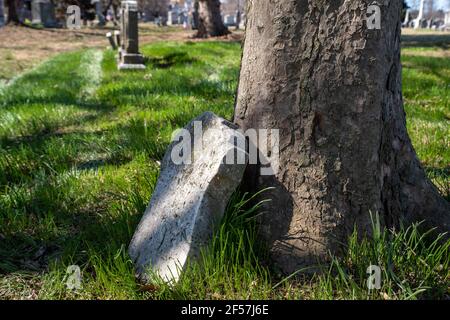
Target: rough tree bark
{"type": "Point", "coordinates": [13, 17]}
{"type": "Point", "coordinates": [333, 87]}
{"type": "Point", "coordinates": [210, 20]}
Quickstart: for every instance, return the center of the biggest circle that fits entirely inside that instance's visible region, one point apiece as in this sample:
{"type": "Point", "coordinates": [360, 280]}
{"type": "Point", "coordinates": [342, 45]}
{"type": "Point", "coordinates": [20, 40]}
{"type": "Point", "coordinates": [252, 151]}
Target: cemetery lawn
{"type": "Point", "coordinates": [80, 145]}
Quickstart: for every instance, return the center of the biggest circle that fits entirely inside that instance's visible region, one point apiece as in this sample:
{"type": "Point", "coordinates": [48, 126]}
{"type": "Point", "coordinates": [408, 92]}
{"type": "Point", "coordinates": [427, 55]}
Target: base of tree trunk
{"type": "Point", "coordinates": [332, 87]}
{"type": "Point", "coordinates": [210, 22]}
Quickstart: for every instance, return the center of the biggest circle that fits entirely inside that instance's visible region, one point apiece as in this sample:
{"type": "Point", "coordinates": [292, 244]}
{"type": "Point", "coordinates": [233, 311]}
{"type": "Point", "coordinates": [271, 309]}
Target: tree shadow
{"type": "Point", "coordinates": [169, 60]}
{"type": "Point", "coordinates": [273, 226]}
{"type": "Point", "coordinates": [179, 85]}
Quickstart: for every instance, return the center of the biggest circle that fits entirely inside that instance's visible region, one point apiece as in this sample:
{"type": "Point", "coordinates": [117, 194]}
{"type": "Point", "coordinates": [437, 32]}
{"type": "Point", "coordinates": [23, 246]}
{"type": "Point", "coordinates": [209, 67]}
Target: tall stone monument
{"type": "Point", "coordinates": [129, 56]}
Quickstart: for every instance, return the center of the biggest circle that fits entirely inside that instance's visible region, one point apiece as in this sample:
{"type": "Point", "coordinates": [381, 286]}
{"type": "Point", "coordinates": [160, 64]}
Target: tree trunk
{"type": "Point", "coordinates": [314, 70]}
{"type": "Point", "coordinates": [210, 20]}
{"type": "Point", "coordinates": [13, 17]}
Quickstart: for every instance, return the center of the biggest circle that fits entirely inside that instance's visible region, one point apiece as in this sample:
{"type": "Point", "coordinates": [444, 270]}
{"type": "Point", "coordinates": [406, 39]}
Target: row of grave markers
{"type": "Point", "coordinates": [42, 12]}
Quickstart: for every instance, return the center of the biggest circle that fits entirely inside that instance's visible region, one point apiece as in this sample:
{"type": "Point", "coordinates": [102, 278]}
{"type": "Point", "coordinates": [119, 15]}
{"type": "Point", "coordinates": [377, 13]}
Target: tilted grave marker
{"type": "Point", "coordinates": [190, 198]}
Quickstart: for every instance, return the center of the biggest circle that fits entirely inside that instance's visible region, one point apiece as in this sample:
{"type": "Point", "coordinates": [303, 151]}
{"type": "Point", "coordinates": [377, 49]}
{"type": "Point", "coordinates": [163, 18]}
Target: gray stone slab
{"type": "Point", "coordinates": [189, 199]}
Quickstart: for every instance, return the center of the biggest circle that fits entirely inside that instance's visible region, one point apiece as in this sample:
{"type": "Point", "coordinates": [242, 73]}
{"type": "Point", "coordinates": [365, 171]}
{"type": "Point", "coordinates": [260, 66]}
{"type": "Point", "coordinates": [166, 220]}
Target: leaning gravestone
{"type": "Point", "coordinates": [129, 56]}
{"type": "Point", "coordinates": [190, 198]}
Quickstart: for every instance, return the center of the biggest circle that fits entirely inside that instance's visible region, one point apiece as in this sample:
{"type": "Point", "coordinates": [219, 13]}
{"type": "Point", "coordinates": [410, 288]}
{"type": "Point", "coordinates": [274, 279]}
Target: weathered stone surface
{"type": "Point", "coordinates": [189, 199]}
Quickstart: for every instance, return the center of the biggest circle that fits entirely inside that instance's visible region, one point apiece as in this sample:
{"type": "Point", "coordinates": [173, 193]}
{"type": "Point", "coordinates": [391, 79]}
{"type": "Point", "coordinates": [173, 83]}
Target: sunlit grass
{"type": "Point", "coordinates": [80, 145]}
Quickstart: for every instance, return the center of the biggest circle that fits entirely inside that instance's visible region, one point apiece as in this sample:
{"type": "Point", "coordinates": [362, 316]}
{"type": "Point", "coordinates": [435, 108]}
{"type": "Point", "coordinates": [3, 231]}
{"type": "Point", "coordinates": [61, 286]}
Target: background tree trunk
{"type": "Point", "coordinates": [210, 20]}
{"type": "Point", "coordinates": [13, 17]}
{"type": "Point", "coordinates": [333, 87]}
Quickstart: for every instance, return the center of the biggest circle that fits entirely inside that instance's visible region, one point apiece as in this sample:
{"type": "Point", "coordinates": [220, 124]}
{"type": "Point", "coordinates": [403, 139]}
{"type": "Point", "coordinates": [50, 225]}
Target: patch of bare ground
{"type": "Point", "coordinates": [22, 48]}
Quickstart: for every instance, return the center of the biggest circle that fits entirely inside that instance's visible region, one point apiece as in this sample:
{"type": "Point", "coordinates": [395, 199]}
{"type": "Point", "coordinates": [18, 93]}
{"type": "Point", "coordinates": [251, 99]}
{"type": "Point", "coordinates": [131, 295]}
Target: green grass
{"type": "Point", "coordinates": [10, 66]}
{"type": "Point", "coordinates": [80, 145]}
{"type": "Point", "coordinates": [426, 89]}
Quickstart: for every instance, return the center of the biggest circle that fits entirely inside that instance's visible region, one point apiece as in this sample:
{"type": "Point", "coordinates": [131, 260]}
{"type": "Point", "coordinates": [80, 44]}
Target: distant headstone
{"type": "Point", "coordinates": [189, 199]}
{"type": "Point", "coordinates": [230, 20]}
{"type": "Point", "coordinates": [2, 14]}
{"type": "Point", "coordinates": [173, 18]}
{"type": "Point", "coordinates": [129, 56]}
{"type": "Point", "coordinates": [195, 16]}
{"type": "Point", "coordinates": [43, 12]}
{"type": "Point", "coordinates": [99, 12]}
{"type": "Point", "coordinates": [169, 18]}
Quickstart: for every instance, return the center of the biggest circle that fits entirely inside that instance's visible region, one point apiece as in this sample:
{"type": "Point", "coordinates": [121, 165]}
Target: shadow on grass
{"type": "Point", "coordinates": [79, 221]}
{"type": "Point", "coordinates": [170, 60]}
{"type": "Point", "coordinates": [60, 155]}
{"type": "Point", "coordinates": [424, 40]}
{"type": "Point", "coordinates": [51, 130]}
{"type": "Point", "coordinates": [436, 66]}
{"type": "Point", "coordinates": [180, 85]}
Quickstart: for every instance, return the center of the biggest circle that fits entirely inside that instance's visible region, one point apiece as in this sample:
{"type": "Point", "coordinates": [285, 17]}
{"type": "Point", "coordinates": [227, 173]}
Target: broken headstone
{"type": "Point", "coordinates": [201, 169]}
